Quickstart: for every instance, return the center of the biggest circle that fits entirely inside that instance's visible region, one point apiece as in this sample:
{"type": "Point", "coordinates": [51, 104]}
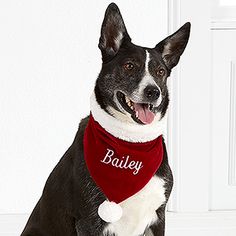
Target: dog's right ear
{"type": "Point", "coordinates": [113, 33]}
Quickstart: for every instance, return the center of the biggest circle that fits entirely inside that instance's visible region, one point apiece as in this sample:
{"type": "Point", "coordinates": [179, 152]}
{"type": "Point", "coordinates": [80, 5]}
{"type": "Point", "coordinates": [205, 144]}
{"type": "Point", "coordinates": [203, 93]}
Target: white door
{"type": "Point", "coordinates": [223, 176]}
{"type": "Point", "coordinates": [202, 122]}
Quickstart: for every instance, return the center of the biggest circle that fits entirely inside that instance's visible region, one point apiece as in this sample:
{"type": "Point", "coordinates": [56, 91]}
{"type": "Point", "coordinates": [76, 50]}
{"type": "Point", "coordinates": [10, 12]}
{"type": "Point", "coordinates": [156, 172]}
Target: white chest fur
{"type": "Point", "coordinates": [139, 210]}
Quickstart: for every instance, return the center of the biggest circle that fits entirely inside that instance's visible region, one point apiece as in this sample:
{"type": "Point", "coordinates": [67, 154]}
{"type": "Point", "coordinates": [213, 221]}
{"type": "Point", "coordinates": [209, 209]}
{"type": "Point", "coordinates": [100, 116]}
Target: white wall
{"type": "Point", "coordinates": [49, 61]}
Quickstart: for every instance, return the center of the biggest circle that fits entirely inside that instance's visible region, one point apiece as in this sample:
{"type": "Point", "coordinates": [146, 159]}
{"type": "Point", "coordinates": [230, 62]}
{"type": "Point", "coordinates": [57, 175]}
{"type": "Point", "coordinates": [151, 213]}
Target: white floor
{"type": "Point", "coordinates": [178, 224]}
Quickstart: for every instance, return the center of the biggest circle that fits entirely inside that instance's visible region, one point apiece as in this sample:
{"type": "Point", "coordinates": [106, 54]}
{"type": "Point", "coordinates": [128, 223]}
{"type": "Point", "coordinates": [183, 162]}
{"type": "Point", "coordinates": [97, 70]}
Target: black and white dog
{"type": "Point", "coordinates": [130, 101]}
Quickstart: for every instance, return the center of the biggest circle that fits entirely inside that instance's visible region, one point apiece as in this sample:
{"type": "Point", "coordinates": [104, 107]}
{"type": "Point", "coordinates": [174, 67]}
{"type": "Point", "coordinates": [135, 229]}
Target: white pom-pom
{"type": "Point", "coordinates": [110, 211]}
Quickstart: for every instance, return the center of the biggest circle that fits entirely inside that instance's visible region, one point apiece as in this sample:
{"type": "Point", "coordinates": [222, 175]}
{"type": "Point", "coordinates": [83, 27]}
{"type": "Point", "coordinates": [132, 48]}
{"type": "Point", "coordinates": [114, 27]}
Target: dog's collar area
{"type": "Point", "coordinates": [131, 132]}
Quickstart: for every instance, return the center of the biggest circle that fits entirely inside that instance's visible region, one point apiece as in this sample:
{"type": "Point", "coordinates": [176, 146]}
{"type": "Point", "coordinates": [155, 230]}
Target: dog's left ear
{"type": "Point", "coordinates": [113, 32]}
{"type": "Point", "coordinates": [172, 47]}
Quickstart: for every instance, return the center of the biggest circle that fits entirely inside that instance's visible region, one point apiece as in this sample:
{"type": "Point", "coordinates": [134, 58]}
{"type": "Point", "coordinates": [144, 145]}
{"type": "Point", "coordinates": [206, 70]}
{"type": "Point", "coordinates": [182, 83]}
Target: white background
{"type": "Point", "coordinates": [49, 61]}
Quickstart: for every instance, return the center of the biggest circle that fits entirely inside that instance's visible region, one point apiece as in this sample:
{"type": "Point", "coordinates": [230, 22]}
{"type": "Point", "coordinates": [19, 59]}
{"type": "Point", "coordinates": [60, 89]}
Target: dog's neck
{"type": "Point", "coordinates": [125, 130]}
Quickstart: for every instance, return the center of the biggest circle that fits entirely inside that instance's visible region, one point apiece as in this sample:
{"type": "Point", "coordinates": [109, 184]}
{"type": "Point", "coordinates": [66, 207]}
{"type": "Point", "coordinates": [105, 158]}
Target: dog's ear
{"type": "Point", "coordinates": [172, 47]}
{"type": "Point", "coordinates": [113, 32]}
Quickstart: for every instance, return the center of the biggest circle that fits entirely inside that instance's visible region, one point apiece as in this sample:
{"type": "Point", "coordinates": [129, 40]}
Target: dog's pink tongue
{"type": "Point", "coordinates": [143, 113]}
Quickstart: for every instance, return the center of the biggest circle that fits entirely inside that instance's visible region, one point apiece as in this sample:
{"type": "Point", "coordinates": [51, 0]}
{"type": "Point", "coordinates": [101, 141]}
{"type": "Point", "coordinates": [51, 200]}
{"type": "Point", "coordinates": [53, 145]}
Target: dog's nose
{"type": "Point", "coordinates": [152, 93]}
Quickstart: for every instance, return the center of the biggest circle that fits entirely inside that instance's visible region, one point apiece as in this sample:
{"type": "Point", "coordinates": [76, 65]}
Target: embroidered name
{"type": "Point", "coordinates": [125, 163]}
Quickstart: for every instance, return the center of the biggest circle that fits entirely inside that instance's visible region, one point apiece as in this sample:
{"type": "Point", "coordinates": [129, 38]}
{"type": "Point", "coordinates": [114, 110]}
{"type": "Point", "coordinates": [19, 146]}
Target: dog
{"type": "Point", "coordinates": [128, 106]}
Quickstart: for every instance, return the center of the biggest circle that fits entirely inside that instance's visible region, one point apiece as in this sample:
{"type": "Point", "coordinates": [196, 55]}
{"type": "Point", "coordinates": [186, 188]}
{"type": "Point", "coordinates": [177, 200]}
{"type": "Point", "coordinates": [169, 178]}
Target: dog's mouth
{"type": "Point", "coordinates": [142, 113]}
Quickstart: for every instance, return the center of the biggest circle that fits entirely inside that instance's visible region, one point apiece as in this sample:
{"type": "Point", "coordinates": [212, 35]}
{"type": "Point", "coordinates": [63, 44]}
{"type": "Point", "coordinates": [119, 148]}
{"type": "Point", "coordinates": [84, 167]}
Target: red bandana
{"type": "Point", "coordinates": [118, 167]}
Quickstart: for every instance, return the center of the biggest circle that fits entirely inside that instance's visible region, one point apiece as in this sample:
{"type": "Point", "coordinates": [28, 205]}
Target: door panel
{"type": "Point", "coordinates": [223, 181]}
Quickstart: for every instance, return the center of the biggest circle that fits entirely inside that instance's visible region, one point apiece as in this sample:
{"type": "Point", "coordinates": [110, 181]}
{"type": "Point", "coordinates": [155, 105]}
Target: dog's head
{"type": "Point", "coordinates": [132, 84]}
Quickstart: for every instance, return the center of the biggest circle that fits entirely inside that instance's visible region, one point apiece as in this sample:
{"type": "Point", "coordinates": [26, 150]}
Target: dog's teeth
{"type": "Point", "coordinates": [127, 99]}
{"type": "Point", "coordinates": [129, 102]}
{"type": "Point", "coordinates": [136, 114]}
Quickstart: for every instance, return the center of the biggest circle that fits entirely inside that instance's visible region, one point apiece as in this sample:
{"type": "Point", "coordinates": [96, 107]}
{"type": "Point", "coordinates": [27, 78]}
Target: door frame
{"type": "Point", "coordinates": [188, 127]}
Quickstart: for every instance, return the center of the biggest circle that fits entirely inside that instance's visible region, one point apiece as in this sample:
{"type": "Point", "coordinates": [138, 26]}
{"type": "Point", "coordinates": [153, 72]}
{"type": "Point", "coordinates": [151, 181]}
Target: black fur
{"type": "Point", "coordinates": [70, 199]}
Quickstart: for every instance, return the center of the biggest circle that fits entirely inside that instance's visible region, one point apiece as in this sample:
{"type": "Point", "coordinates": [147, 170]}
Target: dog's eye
{"type": "Point", "coordinates": [161, 72]}
{"type": "Point", "coordinates": [128, 66]}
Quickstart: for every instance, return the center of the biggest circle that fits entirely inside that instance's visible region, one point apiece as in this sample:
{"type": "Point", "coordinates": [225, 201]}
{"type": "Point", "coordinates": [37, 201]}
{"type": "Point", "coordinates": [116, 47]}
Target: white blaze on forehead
{"type": "Point", "coordinates": [147, 78]}
{"type": "Point", "coordinates": [147, 61]}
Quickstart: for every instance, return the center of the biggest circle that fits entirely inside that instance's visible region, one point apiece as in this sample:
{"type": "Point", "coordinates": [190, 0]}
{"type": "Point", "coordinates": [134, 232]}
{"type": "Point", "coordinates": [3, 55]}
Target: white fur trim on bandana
{"type": "Point", "coordinates": [124, 129]}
